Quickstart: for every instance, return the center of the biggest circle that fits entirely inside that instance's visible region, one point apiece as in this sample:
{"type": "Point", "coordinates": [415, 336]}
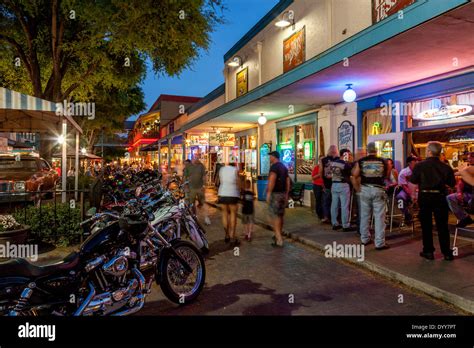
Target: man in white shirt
{"type": "Point", "coordinates": [407, 189]}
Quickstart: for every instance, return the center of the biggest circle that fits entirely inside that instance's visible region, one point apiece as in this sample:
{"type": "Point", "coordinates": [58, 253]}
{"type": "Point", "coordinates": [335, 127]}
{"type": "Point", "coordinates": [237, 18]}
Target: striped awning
{"type": "Point", "coordinates": [24, 113]}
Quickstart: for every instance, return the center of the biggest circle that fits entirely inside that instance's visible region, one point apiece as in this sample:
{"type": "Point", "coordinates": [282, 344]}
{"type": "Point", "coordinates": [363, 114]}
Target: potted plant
{"type": "Point", "coordinates": [11, 231]}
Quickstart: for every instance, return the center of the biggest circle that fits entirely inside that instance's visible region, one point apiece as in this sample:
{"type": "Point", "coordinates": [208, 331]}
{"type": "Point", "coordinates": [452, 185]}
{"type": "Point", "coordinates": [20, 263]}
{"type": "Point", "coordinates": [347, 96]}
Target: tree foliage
{"type": "Point", "coordinates": [66, 48]}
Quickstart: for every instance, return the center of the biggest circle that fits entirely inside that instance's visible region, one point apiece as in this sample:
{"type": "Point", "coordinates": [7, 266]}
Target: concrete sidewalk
{"type": "Point", "coordinates": [452, 282]}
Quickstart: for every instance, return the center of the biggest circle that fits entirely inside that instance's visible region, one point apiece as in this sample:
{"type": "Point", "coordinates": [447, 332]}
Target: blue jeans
{"type": "Point", "coordinates": [341, 195]}
{"type": "Point", "coordinates": [372, 200]}
{"type": "Point", "coordinates": [327, 203]}
{"type": "Point", "coordinates": [457, 207]}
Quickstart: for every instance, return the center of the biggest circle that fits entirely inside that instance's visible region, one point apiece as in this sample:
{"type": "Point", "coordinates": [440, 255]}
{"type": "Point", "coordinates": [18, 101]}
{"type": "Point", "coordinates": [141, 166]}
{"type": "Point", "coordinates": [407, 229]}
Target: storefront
{"type": "Point", "coordinates": [247, 142]}
{"type": "Point", "coordinates": [221, 147]}
{"type": "Point", "coordinates": [197, 145]}
{"type": "Point", "coordinates": [296, 142]}
{"type": "Point", "coordinates": [448, 119]}
{"type": "Point", "coordinates": [403, 122]}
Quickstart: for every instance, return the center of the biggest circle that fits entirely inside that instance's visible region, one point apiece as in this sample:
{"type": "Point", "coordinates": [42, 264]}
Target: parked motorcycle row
{"type": "Point", "coordinates": [145, 232]}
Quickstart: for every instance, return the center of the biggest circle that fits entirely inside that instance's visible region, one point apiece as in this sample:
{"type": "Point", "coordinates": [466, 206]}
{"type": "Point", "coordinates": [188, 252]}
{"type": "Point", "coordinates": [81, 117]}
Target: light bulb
{"type": "Point", "coordinates": [349, 94]}
{"type": "Point", "coordinates": [262, 120]}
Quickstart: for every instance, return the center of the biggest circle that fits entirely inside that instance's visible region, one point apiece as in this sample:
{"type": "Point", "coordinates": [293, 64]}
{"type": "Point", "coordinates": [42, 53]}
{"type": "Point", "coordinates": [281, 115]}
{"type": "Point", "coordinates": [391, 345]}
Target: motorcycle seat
{"type": "Point", "coordinates": [23, 268]}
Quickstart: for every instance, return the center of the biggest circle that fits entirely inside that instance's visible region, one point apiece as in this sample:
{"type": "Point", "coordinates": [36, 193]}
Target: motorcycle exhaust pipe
{"type": "Point", "coordinates": [86, 301]}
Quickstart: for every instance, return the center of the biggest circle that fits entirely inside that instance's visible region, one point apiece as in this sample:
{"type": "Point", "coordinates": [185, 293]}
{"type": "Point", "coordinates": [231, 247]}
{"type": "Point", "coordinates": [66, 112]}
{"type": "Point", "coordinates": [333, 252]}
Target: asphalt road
{"type": "Point", "coordinates": [295, 280]}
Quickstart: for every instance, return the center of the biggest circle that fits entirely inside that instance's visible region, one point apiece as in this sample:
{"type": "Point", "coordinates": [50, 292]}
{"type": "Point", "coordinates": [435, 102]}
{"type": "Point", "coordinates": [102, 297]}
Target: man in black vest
{"type": "Point", "coordinates": [432, 177]}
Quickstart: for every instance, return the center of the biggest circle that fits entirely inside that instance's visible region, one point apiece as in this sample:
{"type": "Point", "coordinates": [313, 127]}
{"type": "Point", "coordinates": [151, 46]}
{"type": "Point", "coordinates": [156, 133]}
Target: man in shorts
{"type": "Point", "coordinates": [195, 174]}
{"type": "Point", "coordinates": [277, 195]}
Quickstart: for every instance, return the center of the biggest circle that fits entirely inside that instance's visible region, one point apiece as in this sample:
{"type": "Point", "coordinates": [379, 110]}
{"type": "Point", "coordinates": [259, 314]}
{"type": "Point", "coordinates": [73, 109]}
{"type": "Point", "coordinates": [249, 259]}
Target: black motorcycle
{"type": "Point", "coordinates": [110, 275]}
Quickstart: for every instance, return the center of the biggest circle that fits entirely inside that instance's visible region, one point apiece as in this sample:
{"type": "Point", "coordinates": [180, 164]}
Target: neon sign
{"type": "Point", "coordinates": [443, 113]}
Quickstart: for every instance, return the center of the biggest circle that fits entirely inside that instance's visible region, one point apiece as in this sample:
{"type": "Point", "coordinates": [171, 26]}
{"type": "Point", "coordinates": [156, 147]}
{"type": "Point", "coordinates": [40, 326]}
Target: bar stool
{"type": "Point", "coordinates": [391, 203]}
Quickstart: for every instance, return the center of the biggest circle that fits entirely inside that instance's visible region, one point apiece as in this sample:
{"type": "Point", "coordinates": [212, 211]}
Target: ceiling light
{"type": "Point", "coordinates": [262, 119]}
{"type": "Point", "coordinates": [349, 94]}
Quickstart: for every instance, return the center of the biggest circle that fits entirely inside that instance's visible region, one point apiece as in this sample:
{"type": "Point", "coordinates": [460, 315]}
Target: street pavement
{"type": "Point", "coordinates": [295, 280]}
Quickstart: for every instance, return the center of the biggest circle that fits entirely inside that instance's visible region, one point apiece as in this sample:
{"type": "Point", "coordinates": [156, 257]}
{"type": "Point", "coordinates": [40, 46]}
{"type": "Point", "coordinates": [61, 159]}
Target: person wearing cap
{"type": "Point", "coordinates": [464, 197]}
{"type": "Point", "coordinates": [407, 192]}
{"type": "Point", "coordinates": [368, 177]}
{"type": "Point", "coordinates": [229, 196]}
{"type": "Point", "coordinates": [277, 195]}
{"type": "Point", "coordinates": [433, 177]}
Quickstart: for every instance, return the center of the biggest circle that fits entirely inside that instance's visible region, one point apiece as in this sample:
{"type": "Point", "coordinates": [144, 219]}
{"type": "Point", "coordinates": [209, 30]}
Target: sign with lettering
{"type": "Point", "coordinates": [264, 159]}
{"type": "Point", "coordinates": [382, 9]}
{"type": "Point", "coordinates": [443, 113]}
{"type": "Point", "coordinates": [221, 139]}
{"type": "Point", "coordinates": [345, 136]}
{"type": "Point", "coordinates": [242, 82]}
{"type": "Point", "coordinates": [195, 140]}
{"type": "Point", "coordinates": [294, 50]}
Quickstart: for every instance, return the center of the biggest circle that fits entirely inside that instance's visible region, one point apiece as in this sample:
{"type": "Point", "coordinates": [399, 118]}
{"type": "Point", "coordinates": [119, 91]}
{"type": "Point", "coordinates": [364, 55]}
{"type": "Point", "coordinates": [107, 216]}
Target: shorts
{"type": "Point", "coordinates": [248, 219]}
{"type": "Point", "coordinates": [228, 200]}
{"type": "Point", "coordinates": [195, 194]}
{"type": "Point", "coordinates": [278, 203]}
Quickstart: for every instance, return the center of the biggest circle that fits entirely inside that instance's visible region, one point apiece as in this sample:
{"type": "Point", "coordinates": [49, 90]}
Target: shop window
{"type": "Point", "coordinates": [375, 122]}
{"type": "Point", "coordinates": [286, 147]}
{"type": "Point", "coordinates": [305, 151]}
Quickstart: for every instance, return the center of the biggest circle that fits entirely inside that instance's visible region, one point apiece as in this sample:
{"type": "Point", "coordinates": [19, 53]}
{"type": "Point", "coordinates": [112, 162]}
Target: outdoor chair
{"type": "Point", "coordinates": [297, 193]}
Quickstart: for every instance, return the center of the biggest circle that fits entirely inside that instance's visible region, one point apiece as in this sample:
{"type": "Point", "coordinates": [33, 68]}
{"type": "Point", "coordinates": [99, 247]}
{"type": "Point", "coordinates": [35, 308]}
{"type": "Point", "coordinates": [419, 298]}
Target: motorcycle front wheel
{"type": "Point", "coordinates": [179, 285]}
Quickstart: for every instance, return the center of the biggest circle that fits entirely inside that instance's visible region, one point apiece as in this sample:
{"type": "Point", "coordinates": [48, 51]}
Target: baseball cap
{"type": "Point", "coordinates": [275, 154]}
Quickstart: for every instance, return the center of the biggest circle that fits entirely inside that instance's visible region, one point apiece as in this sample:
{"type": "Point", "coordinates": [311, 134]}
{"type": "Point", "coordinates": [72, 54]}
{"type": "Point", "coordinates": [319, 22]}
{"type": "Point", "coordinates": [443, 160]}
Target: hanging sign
{"type": "Point", "coordinates": [294, 50]}
{"type": "Point", "coordinates": [345, 136]}
{"type": "Point", "coordinates": [382, 9]}
{"type": "Point", "coordinates": [308, 150]}
{"type": "Point", "coordinates": [443, 113]}
{"type": "Point", "coordinates": [221, 139]}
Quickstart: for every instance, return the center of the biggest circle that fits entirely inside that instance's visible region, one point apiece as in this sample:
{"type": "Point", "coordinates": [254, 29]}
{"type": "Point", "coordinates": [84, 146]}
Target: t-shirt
{"type": "Point", "coordinates": [195, 174]}
{"type": "Point", "coordinates": [404, 176]}
{"type": "Point", "coordinates": [247, 202]}
{"type": "Point", "coordinates": [327, 173]}
{"type": "Point", "coordinates": [340, 171]}
{"type": "Point", "coordinates": [373, 170]}
{"type": "Point", "coordinates": [281, 174]}
{"type": "Point", "coordinates": [318, 181]}
{"type": "Point", "coordinates": [228, 182]}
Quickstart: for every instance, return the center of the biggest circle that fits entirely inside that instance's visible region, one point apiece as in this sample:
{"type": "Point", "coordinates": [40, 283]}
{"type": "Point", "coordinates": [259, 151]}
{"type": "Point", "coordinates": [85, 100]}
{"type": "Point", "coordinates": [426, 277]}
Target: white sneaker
{"type": "Point", "coordinates": [207, 221]}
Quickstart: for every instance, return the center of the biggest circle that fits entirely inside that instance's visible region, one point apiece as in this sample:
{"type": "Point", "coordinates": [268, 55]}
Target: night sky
{"type": "Point", "coordinates": [206, 74]}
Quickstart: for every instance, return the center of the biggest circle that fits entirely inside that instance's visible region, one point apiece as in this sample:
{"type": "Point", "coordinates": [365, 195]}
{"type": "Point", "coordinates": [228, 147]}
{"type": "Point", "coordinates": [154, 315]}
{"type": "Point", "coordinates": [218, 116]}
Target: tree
{"type": "Point", "coordinates": [65, 49]}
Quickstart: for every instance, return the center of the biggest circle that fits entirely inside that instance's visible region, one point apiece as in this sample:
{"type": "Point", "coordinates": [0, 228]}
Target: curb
{"type": "Point", "coordinates": [433, 291]}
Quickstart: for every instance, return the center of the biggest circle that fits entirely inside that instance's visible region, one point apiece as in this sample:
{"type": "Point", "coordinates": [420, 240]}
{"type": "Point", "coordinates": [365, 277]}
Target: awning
{"type": "Point", "coordinates": [81, 156]}
{"type": "Point", "coordinates": [177, 140]}
{"type": "Point", "coordinates": [24, 113]}
{"type": "Point", "coordinates": [150, 147]}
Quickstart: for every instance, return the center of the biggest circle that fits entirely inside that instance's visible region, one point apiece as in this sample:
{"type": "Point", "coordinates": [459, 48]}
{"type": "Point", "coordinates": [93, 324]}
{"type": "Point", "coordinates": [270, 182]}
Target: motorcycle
{"type": "Point", "coordinates": [111, 274]}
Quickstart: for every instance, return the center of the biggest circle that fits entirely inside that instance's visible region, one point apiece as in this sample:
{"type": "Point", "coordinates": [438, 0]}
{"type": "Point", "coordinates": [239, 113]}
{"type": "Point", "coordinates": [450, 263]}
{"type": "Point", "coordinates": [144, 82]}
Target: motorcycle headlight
{"type": "Point", "coordinates": [19, 186]}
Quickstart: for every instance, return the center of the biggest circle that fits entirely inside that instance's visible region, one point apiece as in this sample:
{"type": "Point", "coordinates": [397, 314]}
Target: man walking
{"type": "Point", "coordinates": [463, 198]}
{"type": "Point", "coordinates": [341, 191]}
{"type": "Point", "coordinates": [372, 171]}
{"type": "Point", "coordinates": [432, 176]}
{"type": "Point", "coordinates": [195, 174]}
{"type": "Point", "coordinates": [277, 195]}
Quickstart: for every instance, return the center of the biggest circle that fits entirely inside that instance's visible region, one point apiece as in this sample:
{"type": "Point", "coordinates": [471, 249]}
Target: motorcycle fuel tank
{"type": "Point", "coordinates": [102, 240]}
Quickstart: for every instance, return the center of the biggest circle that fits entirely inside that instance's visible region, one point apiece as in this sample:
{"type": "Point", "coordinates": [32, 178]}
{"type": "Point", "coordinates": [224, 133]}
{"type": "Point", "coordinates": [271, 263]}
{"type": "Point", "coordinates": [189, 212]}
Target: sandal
{"type": "Point", "coordinates": [276, 245]}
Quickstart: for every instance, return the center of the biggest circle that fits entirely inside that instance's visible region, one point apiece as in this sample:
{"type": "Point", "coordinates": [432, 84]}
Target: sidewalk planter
{"type": "Point", "coordinates": [17, 236]}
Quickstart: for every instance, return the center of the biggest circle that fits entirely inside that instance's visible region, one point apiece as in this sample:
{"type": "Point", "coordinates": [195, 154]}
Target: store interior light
{"type": "Point", "coordinates": [349, 94]}
{"type": "Point", "coordinates": [61, 139]}
{"type": "Point", "coordinates": [262, 119]}
{"type": "Point", "coordinates": [235, 62]}
{"type": "Point", "coordinates": [286, 19]}
{"type": "Point", "coordinates": [300, 146]}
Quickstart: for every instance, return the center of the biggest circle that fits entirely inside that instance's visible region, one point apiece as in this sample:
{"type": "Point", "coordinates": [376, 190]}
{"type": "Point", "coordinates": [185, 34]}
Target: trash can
{"type": "Point", "coordinates": [262, 184]}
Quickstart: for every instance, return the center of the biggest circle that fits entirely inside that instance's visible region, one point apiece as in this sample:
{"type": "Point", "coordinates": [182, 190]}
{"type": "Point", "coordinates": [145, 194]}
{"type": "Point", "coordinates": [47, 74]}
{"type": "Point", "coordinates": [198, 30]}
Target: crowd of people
{"type": "Point", "coordinates": [429, 185]}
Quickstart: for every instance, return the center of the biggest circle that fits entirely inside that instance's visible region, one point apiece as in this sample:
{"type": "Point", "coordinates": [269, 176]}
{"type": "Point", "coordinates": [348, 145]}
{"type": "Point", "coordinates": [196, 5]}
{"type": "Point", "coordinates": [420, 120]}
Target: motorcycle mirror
{"type": "Point", "coordinates": [91, 212]}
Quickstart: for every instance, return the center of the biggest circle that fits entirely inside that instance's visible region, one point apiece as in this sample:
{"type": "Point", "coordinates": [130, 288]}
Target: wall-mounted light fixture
{"type": "Point", "coordinates": [235, 62]}
{"type": "Point", "coordinates": [262, 119]}
{"type": "Point", "coordinates": [349, 94]}
{"type": "Point", "coordinates": [286, 19]}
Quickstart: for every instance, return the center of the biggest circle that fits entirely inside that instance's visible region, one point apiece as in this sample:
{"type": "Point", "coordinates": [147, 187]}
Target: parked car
{"type": "Point", "coordinates": [24, 178]}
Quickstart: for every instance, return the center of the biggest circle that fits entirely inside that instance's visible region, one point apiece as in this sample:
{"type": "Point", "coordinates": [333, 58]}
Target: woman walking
{"type": "Point", "coordinates": [229, 194]}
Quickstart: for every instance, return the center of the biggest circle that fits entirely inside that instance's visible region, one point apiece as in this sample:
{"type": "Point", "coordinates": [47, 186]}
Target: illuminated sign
{"type": "Point", "coordinates": [221, 139]}
{"type": "Point", "coordinates": [443, 113]}
{"type": "Point", "coordinates": [308, 150]}
{"type": "Point", "coordinates": [284, 146]}
{"type": "Point", "coordinates": [287, 156]}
